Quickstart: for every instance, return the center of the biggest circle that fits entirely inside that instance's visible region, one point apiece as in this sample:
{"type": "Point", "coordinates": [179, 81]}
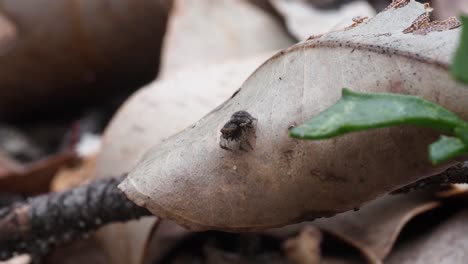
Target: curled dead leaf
{"type": "Point", "coordinates": [34, 178]}
{"type": "Point", "coordinates": [191, 180]}
{"type": "Point", "coordinates": [374, 228]}
{"type": "Point", "coordinates": [440, 241]}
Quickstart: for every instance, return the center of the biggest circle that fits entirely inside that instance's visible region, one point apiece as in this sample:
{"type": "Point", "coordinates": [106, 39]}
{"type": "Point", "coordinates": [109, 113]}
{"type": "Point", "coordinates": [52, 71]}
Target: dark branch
{"type": "Point", "coordinates": [34, 226]}
{"type": "Point", "coordinates": [455, 174]}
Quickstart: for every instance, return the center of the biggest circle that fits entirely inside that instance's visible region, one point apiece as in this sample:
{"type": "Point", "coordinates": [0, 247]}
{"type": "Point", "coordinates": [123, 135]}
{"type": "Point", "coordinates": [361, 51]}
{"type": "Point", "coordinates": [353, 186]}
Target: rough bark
{"type": "Point", "coordinates": [36, 225]}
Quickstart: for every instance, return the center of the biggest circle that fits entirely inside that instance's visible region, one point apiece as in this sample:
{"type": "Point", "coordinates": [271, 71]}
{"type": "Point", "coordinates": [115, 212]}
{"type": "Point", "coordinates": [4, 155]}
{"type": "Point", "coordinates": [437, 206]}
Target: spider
{"type": "Point", "coordinates": [234, 128]}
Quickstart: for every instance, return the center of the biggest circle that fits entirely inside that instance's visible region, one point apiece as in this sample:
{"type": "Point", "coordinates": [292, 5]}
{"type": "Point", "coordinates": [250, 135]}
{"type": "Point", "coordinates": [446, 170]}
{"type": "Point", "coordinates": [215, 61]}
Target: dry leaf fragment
{"type": "Point", "coordinates": [207, 31]}
{"type": "Point", "coordinates": [443, 243]}
{"type": "Point", "coordinates": [423, 25]}
{"type": "Point", "coordinates": [374, 228]}
{"type": "Point", "coordinates": [305, 249]}
{"type": "Point", "coordinates": [356, 21]}
{"type": "Point", "coordinates": [304, 20]}
{"type": "Point", "coordinates": [35, 178]}
{"type": "Point", "coordinates": [73, 176]}
{"type": "Point", "coordinates": [397, 4]}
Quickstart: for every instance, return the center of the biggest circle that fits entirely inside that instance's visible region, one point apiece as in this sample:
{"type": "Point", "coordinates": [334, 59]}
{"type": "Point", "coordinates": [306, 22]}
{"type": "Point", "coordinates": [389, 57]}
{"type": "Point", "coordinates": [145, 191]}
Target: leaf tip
{"type": "Point", "coordinates": [296, 132]}
{"type": "Point", "coordinates": [347, 92]}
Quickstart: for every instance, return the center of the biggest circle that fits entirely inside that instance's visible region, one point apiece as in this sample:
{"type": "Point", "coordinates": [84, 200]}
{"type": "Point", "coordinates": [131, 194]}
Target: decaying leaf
{"type": "Point", "coordinates": [34, 178]}
{"type": "Point", "coordinates": [305, 248]}
{"type": "Point", "coordinates": [443, 242]}
{"type": "Point", "coordinates": [73, 176]}
{"type": "Point", "coordinates": [189, 178]}
{"type": "Point", "coordinates": [304, 20]}
{"type": "Point", "coordinates": [208, 31]}
{"type": "Point", "coordinates": [374, 228]}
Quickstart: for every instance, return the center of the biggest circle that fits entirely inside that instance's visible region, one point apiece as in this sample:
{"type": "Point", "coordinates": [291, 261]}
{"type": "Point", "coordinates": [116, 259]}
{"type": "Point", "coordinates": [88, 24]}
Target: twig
{"type": "Point", "coordinates": [34, 226]}
{"type": "Point", "coordinates": [455, 174]}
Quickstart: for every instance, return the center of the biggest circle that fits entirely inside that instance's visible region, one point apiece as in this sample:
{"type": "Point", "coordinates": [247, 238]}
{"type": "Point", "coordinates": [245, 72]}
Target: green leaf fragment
{"type": "Point", "coordinates": [462, 133]}
{"type": "Point", "coordinates": [460, 62]}
{"type": "Point", "coordinates": [362, 111]}
{"type": "Point", "coordinates": [446, 148]}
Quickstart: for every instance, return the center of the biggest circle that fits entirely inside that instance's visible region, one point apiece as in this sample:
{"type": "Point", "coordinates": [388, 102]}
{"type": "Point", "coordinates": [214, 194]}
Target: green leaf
{"type": "Point", "coordinates": [446, 148]}
{"type": "Point", "coordinates": [361, 111]}
{"type": "Point", "coordinates": [460, 62]}
{"type": "Point", "coordinates": [462, 133]}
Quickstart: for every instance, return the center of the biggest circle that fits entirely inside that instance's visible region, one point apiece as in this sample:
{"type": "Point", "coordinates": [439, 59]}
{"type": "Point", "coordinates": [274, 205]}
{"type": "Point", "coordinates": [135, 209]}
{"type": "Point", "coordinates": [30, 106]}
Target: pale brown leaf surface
{"type": "Point", "coordinates": [190, 179]}
{"type": "Point", "coordinates": [304, 20]}
{"type": "Point", "coordinates": [206, 31]}
{"type": "Point", "coordinates": [305, 248]}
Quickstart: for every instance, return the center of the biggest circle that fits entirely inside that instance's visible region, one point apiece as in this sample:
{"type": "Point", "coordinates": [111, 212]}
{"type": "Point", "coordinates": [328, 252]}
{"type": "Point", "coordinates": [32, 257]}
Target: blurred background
{"type": "Point", "coordinates": [87, 86]}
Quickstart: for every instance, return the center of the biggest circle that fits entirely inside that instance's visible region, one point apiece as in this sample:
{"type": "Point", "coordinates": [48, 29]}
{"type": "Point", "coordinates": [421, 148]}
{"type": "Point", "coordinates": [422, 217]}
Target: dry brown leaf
{"type": "Point", "coordinates": [333, 250]}
{"type": "Point", "coordinates": [51, 63]}
{"type": "Point", "coordinates": [375, 227]}
{"type": "Point", "coordinates": [8, 165]}
{"type": "Point", "coordinates": [191, 179]}
{"type": "Point", "coordinates": [35, 178]}
{"type": "Point", "coordinates": [442, 243]}
{"type": "Point", "coordinates": [73, 176]}
{"type": "Point", "coordinates": [305, 248]}
{"type": "Point", "coordinates": [304, 20]}
{"type": "Point", "coordinates": [206, 31]}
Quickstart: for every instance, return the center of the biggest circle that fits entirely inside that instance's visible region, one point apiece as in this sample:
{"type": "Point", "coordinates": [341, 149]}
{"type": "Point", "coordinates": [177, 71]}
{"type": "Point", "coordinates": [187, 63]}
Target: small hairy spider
{"type": "Point", "coordinates": [234, 128]}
